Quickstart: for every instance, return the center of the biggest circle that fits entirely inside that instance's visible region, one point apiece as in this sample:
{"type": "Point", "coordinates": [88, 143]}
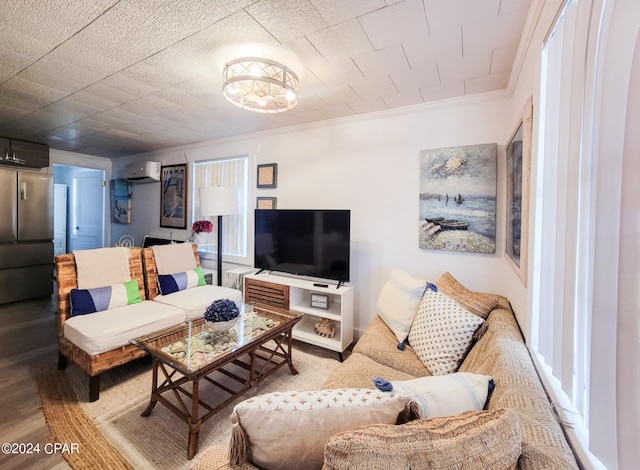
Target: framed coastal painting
{"type": "Point", "coordinates": [518, 167]}
{"type": "Point", "coordinates": [120, 201]}
{"type": "Point", "coordinates": [458, 198]}
{"type": "Point", "coordinates": [173, 196]}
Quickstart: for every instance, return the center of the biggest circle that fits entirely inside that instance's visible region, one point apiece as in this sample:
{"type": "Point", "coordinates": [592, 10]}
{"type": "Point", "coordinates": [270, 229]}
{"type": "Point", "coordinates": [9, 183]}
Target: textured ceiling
{"type": "Point", "coordinates": [119, 77]}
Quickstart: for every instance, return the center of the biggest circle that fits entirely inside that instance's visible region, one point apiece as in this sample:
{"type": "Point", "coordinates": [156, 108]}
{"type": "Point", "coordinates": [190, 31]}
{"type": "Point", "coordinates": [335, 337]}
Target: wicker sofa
{"type": "Point", "coordinates": [500, 353]}
{"type": "Point", "coordinates": [83, 339]}
{"type": "Point", "coordinates": [100, 341]}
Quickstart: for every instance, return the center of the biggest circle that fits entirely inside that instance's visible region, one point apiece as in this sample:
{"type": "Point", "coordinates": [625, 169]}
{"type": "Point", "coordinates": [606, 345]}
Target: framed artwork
{"type": "Point", "coordinates": [173, 196]}
{"type": "Point", "coordinates": [518, 167]}
{"type": "Point", "coordinates": [458, 198]}
{"type": "Point", "coordinates": [266, 202]}
{"type": "Point", "coordinates": [120, 201]}
{"type": "Point", "coordinates": [268, 175]}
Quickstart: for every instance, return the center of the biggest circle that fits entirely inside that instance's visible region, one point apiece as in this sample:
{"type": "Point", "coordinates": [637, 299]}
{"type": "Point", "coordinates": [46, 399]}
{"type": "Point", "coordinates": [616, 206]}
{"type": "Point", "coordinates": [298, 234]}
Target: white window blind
{"type": "Point", "coordinates": [224, 172]}
{"type": "Point", "coordinates": [564, 218]}
{"type": "Point", "coordinates": [557, 193]}
{"type": "Point", "coordinates": [559, 313]}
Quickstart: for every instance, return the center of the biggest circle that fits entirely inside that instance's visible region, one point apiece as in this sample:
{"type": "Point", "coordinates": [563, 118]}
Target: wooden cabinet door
{"type": "Point", "coordinates": [35, 155]}
{"type": "Point", "coordinates": [5, 148]}
{"type": "Point", "coordinates": [266, 293]}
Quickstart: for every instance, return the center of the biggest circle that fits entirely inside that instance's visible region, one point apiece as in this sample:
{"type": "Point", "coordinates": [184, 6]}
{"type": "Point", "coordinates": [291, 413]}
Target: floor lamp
{"type": "Point", "coordinates": [219, 200]}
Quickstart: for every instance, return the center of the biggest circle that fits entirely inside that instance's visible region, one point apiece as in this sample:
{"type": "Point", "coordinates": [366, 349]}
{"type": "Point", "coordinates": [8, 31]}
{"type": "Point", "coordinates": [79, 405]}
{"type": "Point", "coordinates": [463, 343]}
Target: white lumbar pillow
{"type": "Point", "coordinates": [398, 302]}
{"type": "Point", "coordinates": [443, 395]}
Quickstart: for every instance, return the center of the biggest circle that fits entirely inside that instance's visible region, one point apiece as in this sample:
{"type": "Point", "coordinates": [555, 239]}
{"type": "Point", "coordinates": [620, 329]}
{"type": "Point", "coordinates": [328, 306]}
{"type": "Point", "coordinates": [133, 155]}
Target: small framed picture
{"type": "Point", "coordinates": [319, 300]}
{"type": "Point", "coordinates": [266, 202]}
{"type": "Point", "coordinates": [268, 175]}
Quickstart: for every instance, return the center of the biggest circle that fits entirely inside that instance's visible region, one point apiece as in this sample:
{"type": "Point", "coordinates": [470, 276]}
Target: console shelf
{"type": "Point", "coordinates": [295, 294]}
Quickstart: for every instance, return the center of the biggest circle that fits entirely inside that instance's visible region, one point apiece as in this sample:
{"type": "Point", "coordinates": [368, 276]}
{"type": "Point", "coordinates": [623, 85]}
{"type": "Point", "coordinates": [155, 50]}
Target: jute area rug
{"type": "Point", "coordinates": [110, 432]}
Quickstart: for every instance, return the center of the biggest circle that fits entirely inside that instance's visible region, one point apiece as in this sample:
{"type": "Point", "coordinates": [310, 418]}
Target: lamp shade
{"type": "Point", "coordinates": [219, 200]}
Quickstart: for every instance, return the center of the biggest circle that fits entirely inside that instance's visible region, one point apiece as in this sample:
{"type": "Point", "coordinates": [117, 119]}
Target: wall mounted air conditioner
{"type": "Point", "coordinates": [145, 172]}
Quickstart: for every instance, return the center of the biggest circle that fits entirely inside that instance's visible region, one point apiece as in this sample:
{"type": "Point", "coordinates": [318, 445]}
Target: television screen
{"type": "Point", "coordinates": [312, 243]}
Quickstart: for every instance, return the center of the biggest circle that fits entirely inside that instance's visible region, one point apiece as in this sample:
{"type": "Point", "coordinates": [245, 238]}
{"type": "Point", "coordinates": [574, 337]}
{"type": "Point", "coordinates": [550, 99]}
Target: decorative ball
{"type": "Point", "coordinates": [221, 310]}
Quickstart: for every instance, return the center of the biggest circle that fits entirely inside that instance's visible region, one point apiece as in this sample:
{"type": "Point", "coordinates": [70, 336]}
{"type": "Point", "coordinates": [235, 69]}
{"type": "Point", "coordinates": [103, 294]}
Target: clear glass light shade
{"type": "Point", "coordinates": [260, 85]}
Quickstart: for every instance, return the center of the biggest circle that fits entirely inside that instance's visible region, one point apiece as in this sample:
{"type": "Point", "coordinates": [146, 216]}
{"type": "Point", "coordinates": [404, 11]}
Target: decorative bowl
{"type": "Point", "coordinates": [222, 325]}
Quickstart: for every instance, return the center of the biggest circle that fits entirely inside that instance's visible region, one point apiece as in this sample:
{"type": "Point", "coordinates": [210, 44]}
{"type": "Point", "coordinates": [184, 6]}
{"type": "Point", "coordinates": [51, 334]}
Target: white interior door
{"type": "Point", "coordinates": [59, 219]}
{"type": "Point", "coordinates": [86, 211]}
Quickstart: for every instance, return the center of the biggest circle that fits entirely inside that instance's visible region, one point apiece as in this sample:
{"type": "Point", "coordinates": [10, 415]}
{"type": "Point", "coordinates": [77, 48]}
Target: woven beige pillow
{"type": "Point", "coordinates": [476, 302]}
{"type": "Point", "coordinates": [284, 430]}
{"type": "Point", "coordinates": [472, 440]}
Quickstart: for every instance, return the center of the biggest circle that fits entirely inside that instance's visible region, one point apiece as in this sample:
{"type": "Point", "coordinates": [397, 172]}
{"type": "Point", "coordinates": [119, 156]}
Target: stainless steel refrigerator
{"type": "Point", "coordinates": [26, 235]}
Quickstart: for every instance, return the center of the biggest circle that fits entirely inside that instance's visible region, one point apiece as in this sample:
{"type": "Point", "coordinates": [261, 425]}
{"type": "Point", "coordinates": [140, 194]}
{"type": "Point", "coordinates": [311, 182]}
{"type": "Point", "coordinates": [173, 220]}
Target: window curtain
{"type": "Point", "coordinates": [224, 172]}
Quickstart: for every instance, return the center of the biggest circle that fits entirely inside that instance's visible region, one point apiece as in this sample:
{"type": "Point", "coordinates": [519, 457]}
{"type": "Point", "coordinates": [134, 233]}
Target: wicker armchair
{"type": "Point", "coordinates": [93, 365]}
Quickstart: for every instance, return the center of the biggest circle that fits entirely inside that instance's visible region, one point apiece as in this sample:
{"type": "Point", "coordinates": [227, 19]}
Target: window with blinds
{"type": "Point", "coordinates": [561, 314]}
{"type": "Point", "coordinates": [223, 172]}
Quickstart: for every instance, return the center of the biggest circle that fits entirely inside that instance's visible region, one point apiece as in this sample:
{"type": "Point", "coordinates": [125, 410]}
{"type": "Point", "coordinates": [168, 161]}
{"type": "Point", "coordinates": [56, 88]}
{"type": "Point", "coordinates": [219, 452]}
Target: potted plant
{"type": "Point", "coordinates": [222, 314]}
{"type": "Point", "coordinates": [201, 226]}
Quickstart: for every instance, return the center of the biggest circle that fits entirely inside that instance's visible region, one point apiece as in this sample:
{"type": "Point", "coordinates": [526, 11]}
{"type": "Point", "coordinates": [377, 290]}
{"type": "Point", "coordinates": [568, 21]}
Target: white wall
{"type": "Point", "coordinates": [369, 165]}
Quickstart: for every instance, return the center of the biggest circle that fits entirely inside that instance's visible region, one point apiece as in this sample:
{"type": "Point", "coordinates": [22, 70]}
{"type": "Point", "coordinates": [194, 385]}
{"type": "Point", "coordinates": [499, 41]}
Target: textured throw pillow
{"type": "Point", "coordinates": [284, 430]}
{"type": "Point", "coordinates": [170, 283]}
{"type": "Point", "coordinates": [84, 301]}
{"type": "Point", "coordinates": [398, 302]}
{"type": "Point", "coordinates": [442, 332]}
{"type": "Point", "coordinates": [476, 302]}
{"type": "Point", "coordinates": [472, 440]}
{"type": "Point", "coordinates": [443, 395]}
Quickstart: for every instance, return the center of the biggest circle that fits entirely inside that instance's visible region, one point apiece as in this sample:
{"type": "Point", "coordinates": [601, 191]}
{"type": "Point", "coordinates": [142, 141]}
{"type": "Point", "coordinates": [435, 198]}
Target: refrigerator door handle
{"type": "Point", "coordinates": [23, 191]}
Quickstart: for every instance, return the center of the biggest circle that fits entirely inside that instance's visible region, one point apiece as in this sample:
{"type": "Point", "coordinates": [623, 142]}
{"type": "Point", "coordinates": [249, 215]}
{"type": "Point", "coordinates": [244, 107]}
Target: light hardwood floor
{"type": "Point", "coordinates": [28, 341]}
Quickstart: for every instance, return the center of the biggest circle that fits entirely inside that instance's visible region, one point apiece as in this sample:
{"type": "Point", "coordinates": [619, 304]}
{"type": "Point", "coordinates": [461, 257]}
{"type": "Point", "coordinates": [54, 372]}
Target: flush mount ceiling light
{"type": "Point", "coordinates": [260, 85]}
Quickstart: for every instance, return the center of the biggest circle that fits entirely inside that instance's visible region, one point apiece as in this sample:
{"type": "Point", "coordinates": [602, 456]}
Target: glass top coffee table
{"type": "Point", "coordinates": [255, 347]}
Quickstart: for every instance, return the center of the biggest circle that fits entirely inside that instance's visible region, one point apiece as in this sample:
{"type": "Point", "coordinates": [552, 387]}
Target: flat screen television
{"type": "Point", "coordinates": [313, 243]}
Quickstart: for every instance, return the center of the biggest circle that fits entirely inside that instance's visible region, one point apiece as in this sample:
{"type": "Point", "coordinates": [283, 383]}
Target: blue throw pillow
{"type": "Point", "coordinates": [84, 301]}
{"type": "Point", "coordinates": [170, 283]}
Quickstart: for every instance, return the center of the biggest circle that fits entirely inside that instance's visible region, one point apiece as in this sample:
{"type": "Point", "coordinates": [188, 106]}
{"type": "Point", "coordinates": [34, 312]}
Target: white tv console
{"type": "Point", "coordinates": [294, 294]}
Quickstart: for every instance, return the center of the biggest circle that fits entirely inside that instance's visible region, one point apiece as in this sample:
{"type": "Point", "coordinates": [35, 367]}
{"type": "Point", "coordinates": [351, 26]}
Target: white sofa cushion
{"type": "Point", "coordinates": [113, 262]}
{"type": "Point", "coordinates": [103, 331]}
{"type": "Point", "coordinates": [174, 258]}
{"type": "Point", "coordinates": [195, 301]}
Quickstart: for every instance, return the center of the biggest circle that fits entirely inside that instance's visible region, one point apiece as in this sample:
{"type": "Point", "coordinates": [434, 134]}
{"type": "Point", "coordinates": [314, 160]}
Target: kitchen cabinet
{"type": "Point", "coordinates": [20, 153]}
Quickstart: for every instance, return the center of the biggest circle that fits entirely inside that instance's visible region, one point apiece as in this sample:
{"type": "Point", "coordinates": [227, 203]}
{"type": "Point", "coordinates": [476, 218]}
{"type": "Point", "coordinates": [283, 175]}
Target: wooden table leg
{"type": "Point", "coordinates": [289, 356]}
{"type": "Point", "coordinates": [194, 422]}
{"type": "Point", "coordinates": [154, 389]}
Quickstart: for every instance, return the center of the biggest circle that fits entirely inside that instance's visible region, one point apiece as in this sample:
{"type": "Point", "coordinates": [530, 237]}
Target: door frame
{"type": "Point", "coordinates": [64, 158]}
